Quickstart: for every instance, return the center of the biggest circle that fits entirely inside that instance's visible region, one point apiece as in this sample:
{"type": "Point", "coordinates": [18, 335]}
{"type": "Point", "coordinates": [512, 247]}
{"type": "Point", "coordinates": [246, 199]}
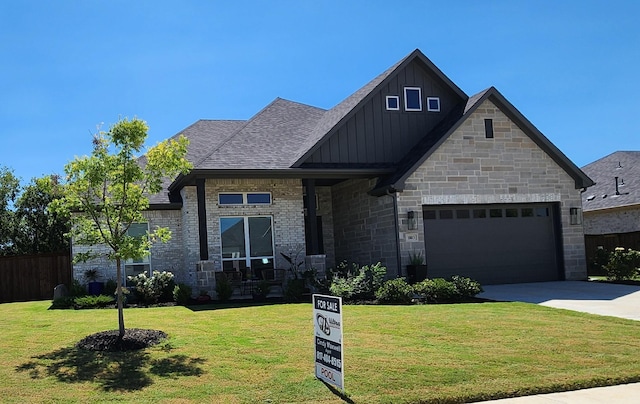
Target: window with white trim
{"type": "Point", "coordinates": [133, 267]}
{"type": "Point", "coordinates": [433, 104]}
{"type": "Point", "coordinates": [393, 103]}
{"type": "Point", "coordinates": [247, 244]}
{"type": "Point", "coordinates": [244, 198]}
{"type": "Point", "coordinates": [412, 99]}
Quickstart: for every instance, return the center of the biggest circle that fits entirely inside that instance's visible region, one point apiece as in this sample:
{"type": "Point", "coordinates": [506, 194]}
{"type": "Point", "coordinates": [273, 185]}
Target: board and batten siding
{"type": "Point", "coordinates": [373, 135]}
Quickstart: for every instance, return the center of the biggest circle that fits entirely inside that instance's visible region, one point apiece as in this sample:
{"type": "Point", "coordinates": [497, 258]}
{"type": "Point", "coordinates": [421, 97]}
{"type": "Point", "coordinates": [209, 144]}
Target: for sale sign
{"type": "Point", "coordinates": [327, 320]}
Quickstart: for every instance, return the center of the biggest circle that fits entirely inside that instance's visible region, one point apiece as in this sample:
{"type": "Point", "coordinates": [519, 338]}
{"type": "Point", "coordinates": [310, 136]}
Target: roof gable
{"type": "Point", "coordinates": [456, 118]}
{"type": "Point", "coordinates": [625, 165]}
{"type": "Point", "coordinates": [340, 124]}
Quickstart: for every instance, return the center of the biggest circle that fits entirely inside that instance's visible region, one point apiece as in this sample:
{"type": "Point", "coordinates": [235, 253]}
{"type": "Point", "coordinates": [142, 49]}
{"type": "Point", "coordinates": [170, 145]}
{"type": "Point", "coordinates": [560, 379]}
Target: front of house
{"type": "Point", "coordinates": [408, 164]}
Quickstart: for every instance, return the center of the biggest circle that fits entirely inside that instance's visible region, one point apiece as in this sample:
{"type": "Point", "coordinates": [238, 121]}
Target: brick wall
{"type": "Point", "coordinates": [364, 225]}
{"type": "Point", "coordinates": [610, 221]}
{"type": "Point", "coordinates": [510, 168]}
{"type": "Point", "coordinates": [164, 256]}
{"type": "Point", "coordinates": [286, 210]}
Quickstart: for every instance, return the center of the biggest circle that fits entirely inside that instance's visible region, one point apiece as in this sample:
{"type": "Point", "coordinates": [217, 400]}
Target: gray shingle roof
{"type": "Point", "coordinates": [204, 136]}
{"type": "Point", "coordinates": [269, 140]}
{"type": "Point", "coordinates": [622, 164]}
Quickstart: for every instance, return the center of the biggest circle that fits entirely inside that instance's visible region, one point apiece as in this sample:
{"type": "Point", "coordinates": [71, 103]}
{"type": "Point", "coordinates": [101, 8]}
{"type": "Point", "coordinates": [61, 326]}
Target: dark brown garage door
{"type": "Point", "coordinates": [492, 244]}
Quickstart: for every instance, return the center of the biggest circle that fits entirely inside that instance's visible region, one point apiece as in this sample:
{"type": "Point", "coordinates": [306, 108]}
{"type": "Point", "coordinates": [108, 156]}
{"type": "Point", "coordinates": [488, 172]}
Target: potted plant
{"type": "Point", "coordinates": [95, 288]}
{"type": "Point", "coordinates": [416, 270]}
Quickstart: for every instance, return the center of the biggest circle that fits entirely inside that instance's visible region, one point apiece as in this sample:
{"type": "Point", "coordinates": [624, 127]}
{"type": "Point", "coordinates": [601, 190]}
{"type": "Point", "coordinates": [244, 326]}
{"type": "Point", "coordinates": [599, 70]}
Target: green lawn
{"type": "Point", "coordinates": [264, 354]}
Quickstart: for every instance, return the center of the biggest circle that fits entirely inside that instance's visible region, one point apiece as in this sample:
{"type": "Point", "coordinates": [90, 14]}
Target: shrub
{"type": "Point", "coordinates": [167, 292]}
{"type": "Point", "coordinates": [395, 291]}
{"type": "Point", "coordinates": [182, 294]}
{"type": "Point", "coordinates": [65, 302]}
{"type": "Point", "coordinates": [110, 288]}
{"type": "Point", "coordinates": [92, 302]}
{"type": "Point", "coordinates": [293, 290]}
{"type": "Point", "coordinates": [360, 286]}
{"type": "Point", "coordinates": [224, 289]}
{"type": "Point", "coordinates": [623, 264]}
{"type": "Point", "coordinates": [466, 287]}
{"type": "Point", "coordinates": [436, 290]}
{"type": "Point", "coordinates": [150, 289]}
{"type": "Point", "coordinates": [77, 289]}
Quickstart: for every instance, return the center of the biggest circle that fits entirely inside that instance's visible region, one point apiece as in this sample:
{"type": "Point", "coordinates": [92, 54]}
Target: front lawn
{"type": "Point", "coordinates": [264, 354]}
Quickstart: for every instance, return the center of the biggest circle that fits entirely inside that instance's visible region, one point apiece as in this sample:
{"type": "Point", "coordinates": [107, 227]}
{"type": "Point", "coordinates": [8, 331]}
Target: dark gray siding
{"type": "Point", "coordinates": [374, 135]}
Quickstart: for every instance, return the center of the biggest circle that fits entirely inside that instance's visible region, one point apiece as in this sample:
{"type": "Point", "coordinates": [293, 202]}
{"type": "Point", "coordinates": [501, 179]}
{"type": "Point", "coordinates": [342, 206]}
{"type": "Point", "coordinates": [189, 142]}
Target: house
{"type": "Point", "coordinates": [612, 205]}
{"type": "Point", "coordinates": [409, 163]}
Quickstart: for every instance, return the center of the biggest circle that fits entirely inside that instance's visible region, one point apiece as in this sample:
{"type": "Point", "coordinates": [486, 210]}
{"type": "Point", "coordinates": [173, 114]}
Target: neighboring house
{"type": "Point", "coordinates": [612, 205]}
{"type": "Point", "coordinates": [407, 164]}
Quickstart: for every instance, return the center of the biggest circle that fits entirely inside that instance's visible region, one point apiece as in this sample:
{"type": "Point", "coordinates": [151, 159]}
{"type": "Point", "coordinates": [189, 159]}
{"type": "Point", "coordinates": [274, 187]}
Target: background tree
{"type": "Point", "coordinates": [108, 191]}
{"type": "Point", "coordinates": [39, 229]}
{"type": "Point", "coordinates": [9, 190]}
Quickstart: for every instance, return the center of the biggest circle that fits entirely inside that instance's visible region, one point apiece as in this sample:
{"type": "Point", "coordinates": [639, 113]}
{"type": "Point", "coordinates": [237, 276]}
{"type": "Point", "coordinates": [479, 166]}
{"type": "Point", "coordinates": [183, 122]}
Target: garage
{"type": "Point", "coordinates": [493, 244]}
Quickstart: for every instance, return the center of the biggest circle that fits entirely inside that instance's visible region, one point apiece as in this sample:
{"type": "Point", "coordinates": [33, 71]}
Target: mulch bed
{"type": "Point", "coordinates": [134, 339]}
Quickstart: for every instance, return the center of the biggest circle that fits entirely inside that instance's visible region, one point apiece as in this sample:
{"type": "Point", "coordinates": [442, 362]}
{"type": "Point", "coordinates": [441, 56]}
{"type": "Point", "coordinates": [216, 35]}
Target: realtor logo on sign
{"type": "Point", "coordinates": [327, 326]}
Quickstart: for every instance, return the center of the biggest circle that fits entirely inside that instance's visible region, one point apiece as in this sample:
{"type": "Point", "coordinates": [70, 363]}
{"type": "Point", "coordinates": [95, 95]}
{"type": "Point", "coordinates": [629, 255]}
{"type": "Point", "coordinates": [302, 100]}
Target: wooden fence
{"type": "Point", "coordinates": [609, 242]}
{"type": "Point", "coordinates": [33, 277]}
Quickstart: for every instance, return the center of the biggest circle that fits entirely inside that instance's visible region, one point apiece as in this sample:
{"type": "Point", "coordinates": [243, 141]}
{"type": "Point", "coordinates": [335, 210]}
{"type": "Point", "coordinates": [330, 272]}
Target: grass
{"type": "Point", "coordinates": [264, 354]}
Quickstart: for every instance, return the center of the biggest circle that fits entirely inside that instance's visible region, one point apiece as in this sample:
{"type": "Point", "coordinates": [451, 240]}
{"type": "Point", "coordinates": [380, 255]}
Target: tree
{"type": "Point", "coordinates": [108, 191]}
{"type": "Point", "coordinates": [9, 190]}
{"type": "Point", "coordinates": [39, 229]}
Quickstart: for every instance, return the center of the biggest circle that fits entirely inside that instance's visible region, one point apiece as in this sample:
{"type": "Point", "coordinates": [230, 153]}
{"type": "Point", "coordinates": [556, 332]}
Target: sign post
{"type": "Point", "coordinates": [327, 320]}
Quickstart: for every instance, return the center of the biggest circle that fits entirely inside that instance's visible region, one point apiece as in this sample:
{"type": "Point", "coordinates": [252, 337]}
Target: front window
{"type": "Point", "coordinates": [247, 244]}
{"type": "Point", "coordinates": [133, 267]}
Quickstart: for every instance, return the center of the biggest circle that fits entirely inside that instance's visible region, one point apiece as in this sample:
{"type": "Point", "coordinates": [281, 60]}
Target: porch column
{"type": "Point", "coordinates": [312, 220]}
{"type": "Point", "coordinates": [202, 220]}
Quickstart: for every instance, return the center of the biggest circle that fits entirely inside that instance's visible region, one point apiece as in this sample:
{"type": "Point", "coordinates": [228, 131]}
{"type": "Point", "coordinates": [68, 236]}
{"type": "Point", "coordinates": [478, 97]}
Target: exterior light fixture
{"type": "Point", "coordinates": [575, 216]}
{"type": "Point", "coordinates": [412, 221]}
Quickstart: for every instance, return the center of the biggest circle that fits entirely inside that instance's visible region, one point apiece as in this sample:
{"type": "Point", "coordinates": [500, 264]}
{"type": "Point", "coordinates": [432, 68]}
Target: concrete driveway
{"type": "Point", "coordinates": [590, 297]}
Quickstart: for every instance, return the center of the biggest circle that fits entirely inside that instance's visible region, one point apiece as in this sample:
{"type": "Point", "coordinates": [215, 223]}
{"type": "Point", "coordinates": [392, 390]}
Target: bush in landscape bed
{"type": "Point", "coordinates": [466, 287]}
{"type": "Point", "coordinates": [65, 302]}
{"type": "Point", "coordinates": [92, 302]}
{"type": "Point", "coordinates": [623, 264]}
{"type": "Point", "coordinates": [150, 289]}
{"type": "Point", "coordinates": [182, 294]}
{"type": "Point", "coordinates": [361, 285]}
{"type": "Point", "coordinates": [224, 289]}
{"type": "Point", "coordinates": [395, 291]}
{"type": "Point", "coordinates": [109, 288]}
{"type": "Point", "coordinates": [436, 290]}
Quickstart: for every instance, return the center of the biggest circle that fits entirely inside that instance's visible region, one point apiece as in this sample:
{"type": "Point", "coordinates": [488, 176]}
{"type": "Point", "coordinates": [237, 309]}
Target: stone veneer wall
{"type": "Point", "coordinates": [510, 168]}
{"type": "Point", "coordinates": [611, 221]}
{"type": "Point", "coordinates": [286, 210]}
{"type": "Point", "coordinates": [364, 225]}
{"type": "Point", "coordinates": [164, 256]}
{"type": "Point", "coordinates": [325, 209]}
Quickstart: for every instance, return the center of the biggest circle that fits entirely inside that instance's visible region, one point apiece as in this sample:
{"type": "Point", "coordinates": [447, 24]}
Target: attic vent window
{"type": "Point", "coordinates": [488, 128]}
{"type": "Point", "coordinates": [393, 103]}
{"type": "Point", "coordinates": [433, 104]}
{"type": "Point", "coordinates": [412, 99]}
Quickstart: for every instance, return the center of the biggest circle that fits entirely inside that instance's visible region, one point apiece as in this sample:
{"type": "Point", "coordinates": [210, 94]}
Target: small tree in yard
{"type": "Point", "coordinates": [108, 191]}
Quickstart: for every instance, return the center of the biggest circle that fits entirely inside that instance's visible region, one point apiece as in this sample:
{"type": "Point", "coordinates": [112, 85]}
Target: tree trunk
{"type": "Point", "coordinates": [119, 298]}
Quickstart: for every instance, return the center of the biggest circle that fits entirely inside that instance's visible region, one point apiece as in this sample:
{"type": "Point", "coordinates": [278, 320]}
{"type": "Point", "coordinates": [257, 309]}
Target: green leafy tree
{"type": "Point", "coordinates": [9, 190]}
{"type": "Point", "coordinates": [108, 191]}
{"type": "Point", "coordinates": [38, 228]}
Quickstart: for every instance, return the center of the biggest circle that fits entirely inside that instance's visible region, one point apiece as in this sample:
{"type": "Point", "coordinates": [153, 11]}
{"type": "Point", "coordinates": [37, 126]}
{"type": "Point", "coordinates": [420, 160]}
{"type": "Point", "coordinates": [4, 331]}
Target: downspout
{"type": "Point", "coordinates": [394, 196]}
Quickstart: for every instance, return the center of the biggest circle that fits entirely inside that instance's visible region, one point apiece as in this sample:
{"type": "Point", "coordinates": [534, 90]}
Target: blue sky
{"type": "Point", "coordinates": [571, 67]}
